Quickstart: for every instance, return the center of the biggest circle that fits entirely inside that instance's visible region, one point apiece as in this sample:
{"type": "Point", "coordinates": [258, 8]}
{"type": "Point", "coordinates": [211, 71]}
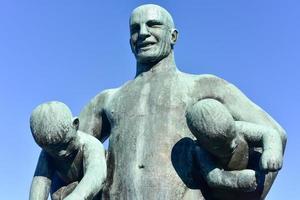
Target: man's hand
{"type": "Point", "coordinates": [271, 161]}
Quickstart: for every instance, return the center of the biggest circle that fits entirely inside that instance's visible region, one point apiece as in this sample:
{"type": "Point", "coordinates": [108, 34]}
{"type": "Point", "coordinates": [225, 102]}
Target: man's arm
{"type": "Point", "coordinates": [242, 180]}
{"type": "Point", "coordinates": [268, 138]}
{"type": "Point", "coordinates": [240, 107]}
{"type": "Point", "coordinates": [94, 167]}
{"type": "Point", "coordinates": [41, 181]}
{"type": "Point", "coordinates": [93, 119]}
{"type": "Point", "coordinates": [245, 110]}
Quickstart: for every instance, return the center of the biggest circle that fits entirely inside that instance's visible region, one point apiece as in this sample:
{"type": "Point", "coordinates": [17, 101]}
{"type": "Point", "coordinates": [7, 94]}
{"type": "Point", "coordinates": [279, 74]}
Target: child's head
{"type": "Point", "coordinates": [53, 126]}
{"type": "Point", "coordinates": [212, 125]}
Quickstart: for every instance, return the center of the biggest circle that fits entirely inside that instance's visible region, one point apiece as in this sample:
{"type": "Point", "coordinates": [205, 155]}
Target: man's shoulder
{"type": "Point", "coordinates": [207, 78]}
{"type": "Point", "coordinates": [101, 98]}
{"type": "Point", "coordinates": [105, 94]}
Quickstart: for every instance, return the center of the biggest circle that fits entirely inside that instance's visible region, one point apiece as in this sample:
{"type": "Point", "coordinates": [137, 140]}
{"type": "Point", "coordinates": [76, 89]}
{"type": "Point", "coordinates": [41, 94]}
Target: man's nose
{"type": "Point", "coordinates": [144, 32]}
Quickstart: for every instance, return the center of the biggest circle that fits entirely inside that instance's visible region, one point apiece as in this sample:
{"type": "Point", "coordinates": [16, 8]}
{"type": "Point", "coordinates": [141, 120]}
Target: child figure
{"type": "Point", "coordinates": [72, 164]}
{"type": "Point", "coordinates": [224, 144]}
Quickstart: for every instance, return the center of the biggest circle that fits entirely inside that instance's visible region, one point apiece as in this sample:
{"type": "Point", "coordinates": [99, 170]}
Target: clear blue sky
{"type": "Point", "coordinates": [70, 50]}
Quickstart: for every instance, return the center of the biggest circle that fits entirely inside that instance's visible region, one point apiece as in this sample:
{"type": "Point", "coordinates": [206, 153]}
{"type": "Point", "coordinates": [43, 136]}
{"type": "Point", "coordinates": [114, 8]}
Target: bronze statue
{"type": "Point", "coordinates": [152, 151]}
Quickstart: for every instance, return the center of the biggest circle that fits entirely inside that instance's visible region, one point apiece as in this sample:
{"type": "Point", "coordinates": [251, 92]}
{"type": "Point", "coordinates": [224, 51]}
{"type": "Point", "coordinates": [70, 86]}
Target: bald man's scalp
{"type": "Point", "coordinates": [169, 20]}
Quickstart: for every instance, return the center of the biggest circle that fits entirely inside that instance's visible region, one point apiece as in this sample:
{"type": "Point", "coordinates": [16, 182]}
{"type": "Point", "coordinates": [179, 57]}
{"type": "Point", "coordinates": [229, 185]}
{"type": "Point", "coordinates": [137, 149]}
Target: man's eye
{"type": "Point", "coordinates": [154, 24]}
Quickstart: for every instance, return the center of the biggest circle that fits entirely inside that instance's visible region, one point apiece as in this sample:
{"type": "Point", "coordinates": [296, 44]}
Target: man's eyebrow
{"type": "Point", "coordinates": [154, 21]}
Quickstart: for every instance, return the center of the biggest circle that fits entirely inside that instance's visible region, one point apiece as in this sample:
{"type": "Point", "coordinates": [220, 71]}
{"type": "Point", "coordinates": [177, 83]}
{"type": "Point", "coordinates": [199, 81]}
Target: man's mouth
{"type": "Point", "coordinates": [144, 45]}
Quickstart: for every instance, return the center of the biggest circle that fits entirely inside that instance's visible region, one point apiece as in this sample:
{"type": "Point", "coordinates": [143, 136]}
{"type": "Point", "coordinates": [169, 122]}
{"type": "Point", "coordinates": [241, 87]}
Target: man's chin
{"type": "Point", "coordinates": [146, 60]}
{"type": "Point", "coordinates": [147, 57]}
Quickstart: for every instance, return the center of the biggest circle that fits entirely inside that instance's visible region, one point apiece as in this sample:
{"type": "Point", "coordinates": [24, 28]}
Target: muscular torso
{"type": "Point", "coordinates": [150, 153]}
{"type": "Point", "coordinates": [148, 128]}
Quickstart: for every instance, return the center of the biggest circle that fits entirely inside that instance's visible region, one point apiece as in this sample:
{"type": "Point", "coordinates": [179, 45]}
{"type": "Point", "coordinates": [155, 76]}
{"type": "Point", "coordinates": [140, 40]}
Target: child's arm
{"type": "Point", "coordinates": [266, 137]}
{"type": "Point", "coordinates": [94, 169]}
{"type": "Point", "coordinates": [41, 181]}
{"type": "Point", "coordinates": [241, 180]}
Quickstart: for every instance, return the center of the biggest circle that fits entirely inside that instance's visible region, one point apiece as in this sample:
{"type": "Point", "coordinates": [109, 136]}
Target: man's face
{"type": "Point", "coordinates": [150, 34]}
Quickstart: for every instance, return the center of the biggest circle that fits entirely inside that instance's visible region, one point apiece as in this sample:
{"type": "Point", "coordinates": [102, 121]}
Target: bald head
{"type": "Point", "coordinates": [154, 12]}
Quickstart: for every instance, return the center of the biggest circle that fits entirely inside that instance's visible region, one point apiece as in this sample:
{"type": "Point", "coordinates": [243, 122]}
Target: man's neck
{"type": "Point", "coordinates": [166, 64]}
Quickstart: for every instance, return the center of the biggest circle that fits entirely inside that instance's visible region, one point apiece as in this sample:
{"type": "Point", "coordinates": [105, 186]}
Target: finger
{"type": "Point", "coordinates": [271, 165]}
{"type": "Point", "coordinates": [265, 165]}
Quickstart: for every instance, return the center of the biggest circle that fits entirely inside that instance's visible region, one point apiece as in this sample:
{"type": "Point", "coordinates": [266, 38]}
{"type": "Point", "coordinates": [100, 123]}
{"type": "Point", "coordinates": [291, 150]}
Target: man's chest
{"type": "Point", "coordinates": [149, 96]}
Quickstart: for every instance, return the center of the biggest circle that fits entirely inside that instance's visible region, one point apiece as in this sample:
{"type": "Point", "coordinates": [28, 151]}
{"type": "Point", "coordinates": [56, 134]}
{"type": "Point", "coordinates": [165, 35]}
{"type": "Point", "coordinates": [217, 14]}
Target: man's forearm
{"type": "Point", "coordinates": [260, 135]}
{"type": "Point", "coordinates": [272, 142]}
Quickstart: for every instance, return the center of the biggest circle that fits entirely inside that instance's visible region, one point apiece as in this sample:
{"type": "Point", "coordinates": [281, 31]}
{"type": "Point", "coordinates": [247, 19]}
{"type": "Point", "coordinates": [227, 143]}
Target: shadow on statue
{"type": "Point", "coordinates": [182, 157]}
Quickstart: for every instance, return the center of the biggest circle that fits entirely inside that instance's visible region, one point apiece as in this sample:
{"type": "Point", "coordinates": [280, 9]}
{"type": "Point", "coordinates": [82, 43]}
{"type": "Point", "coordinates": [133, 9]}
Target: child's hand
{"type": "Point", "coordinates": [271, 161]}
{"type": "Point", "coordinates": [73, 196]}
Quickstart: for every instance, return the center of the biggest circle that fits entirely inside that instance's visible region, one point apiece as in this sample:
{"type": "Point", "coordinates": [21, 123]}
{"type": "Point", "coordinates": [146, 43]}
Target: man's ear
{"type": "Point", "coordinates": [174, 36]}
{"type": "Point", "coordinates": [131, 46]}
{"type": "Point", "coordinates": [75, 123]}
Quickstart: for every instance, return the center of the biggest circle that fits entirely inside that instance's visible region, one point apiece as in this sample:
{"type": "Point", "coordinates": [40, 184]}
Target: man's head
{"type": "Point", "coordinates": [152, 33]}
{"type": "Point", "coordinates": [53, 127]}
